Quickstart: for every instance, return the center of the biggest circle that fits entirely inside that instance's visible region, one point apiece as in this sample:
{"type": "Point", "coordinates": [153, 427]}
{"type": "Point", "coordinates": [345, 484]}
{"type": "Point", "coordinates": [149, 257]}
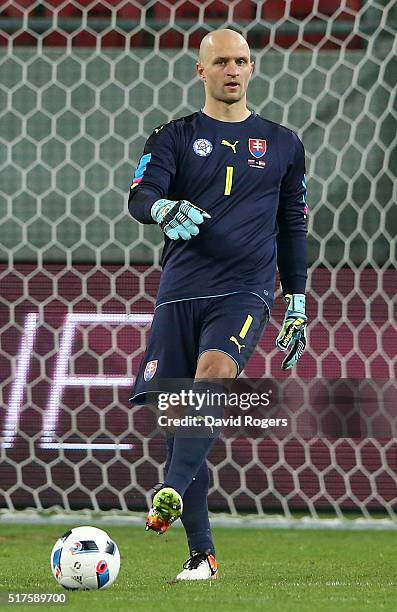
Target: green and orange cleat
{"type": "Point", "coordinates": [167, 507]}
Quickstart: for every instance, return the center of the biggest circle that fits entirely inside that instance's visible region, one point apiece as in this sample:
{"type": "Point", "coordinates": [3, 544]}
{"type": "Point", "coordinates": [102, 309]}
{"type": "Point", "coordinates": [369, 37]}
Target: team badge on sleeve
{"type": "Point", "coordinates": [150, 370]}
{"type": "Point", "coordinates": [257, 147]}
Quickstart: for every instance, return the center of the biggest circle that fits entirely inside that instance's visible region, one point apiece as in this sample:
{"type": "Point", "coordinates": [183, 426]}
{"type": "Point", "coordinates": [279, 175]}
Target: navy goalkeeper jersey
{"type": "Point", "coordinates": [250, 177]}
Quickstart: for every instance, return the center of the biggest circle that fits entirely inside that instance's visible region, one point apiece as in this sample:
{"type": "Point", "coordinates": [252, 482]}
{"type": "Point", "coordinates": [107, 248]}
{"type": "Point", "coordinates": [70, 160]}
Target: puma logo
{"type": "Point", "coordinates": [229, 144]}
{"type": "Point", "coordinates": [237, 343]}
{"type": "Point", "coordinates": [157, 130]}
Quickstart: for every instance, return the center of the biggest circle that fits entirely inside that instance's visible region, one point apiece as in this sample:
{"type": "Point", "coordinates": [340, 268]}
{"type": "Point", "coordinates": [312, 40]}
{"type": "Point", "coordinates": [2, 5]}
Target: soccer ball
{"type": "Point", "coordinates": [85, 558]}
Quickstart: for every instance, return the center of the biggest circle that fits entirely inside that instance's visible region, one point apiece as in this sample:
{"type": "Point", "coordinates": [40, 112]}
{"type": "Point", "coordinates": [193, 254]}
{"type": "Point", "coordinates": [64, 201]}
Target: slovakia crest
{"type": "Point", "coordinates": [257, 147]}
{"type": "Point", "coordinates": [150, 370]}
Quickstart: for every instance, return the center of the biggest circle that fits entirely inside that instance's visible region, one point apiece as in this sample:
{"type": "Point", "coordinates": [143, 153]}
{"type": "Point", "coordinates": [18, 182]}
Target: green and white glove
{"type": "Point", "coordinates": [292, 335]}
{"type": "Point", "coordinates": [178, 219]}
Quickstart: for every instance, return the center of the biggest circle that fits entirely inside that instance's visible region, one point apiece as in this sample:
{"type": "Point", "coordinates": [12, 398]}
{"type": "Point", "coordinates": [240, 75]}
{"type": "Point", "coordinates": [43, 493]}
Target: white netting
{"type": "Point", "coordinates": [82, 84]}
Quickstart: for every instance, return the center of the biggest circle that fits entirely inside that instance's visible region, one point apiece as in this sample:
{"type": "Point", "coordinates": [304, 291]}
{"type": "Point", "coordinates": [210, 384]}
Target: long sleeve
{"type": "Point", "coordinates": [291, 220]}
{"type": "Point", "coordinates": [154, 174]}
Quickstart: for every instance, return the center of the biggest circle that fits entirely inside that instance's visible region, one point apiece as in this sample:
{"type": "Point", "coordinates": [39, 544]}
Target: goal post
{"type": "Point", "coordinates": [82, 85]}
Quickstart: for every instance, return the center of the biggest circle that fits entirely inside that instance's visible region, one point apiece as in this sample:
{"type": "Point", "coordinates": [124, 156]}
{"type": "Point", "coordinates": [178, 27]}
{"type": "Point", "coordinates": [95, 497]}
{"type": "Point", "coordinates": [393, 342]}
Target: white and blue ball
{"type": "Point", "coordinates": [85, 558]}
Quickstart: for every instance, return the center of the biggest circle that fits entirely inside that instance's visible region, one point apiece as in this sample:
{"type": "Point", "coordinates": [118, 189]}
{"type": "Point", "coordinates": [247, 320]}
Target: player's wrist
{"type": "Point", "coordinates": [160, 208]}
{"type": "Point", "coordinates": [296, 303]}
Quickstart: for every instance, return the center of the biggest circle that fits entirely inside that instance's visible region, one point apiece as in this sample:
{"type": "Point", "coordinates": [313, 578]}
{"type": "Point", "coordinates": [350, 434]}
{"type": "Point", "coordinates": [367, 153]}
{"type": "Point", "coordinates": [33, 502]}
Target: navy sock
{"type": "Point", "coordinates": [195, 508]}
{"type": "Point", "coordinates": [190, 452]}
{"type": "Point", "coordinates": [195, 513]}
{"type": "Point", "coordinates": [170, 448]}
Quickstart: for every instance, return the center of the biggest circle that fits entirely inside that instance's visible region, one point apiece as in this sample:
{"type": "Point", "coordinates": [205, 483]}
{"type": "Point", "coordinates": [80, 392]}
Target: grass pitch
{"type": "Point", "coordinates": [277, 570]}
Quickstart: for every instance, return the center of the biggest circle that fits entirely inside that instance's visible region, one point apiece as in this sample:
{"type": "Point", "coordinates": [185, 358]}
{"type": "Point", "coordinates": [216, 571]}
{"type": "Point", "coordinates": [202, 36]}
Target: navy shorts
{"type": "Point", "coordinates": [182, 331]}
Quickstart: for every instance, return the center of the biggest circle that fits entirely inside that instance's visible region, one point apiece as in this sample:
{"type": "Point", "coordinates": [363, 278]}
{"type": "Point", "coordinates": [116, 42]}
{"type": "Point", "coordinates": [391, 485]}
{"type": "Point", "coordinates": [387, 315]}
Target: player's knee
{"type": "Point", "coordinates": [214, 364]}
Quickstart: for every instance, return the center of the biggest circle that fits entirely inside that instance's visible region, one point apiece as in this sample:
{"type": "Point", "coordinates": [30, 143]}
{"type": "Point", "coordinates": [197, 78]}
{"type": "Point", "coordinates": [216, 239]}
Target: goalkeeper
{"type": "Point", "coordinates": [227, 187]}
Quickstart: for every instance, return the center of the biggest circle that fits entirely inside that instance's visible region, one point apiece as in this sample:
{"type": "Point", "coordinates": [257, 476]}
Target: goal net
{"type": "Point", "coordinates": [82, 85]}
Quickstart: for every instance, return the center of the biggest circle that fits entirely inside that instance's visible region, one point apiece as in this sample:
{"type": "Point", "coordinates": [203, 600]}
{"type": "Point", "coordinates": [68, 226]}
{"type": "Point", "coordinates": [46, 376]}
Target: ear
{"type": "Point", "coordinates": [200, 71]}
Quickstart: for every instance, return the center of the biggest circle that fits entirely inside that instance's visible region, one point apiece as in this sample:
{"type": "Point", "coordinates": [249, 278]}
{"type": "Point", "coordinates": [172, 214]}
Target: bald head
{"type": "Point", "coordinates": [214, 42]}
{"type": "Point", "coordinates": [225, 68]}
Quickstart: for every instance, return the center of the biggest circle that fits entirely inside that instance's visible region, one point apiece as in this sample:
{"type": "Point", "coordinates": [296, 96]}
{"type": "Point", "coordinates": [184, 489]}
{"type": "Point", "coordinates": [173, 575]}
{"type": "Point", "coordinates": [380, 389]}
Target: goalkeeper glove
{"type": "Point", "coordinates": [178, 219]}
{"type": "Point", "coordinates": [293, 332]}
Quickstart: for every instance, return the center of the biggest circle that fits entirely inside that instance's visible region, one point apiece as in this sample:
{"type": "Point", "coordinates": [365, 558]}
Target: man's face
{"type": "Point", "coordinates": [226, 70]}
